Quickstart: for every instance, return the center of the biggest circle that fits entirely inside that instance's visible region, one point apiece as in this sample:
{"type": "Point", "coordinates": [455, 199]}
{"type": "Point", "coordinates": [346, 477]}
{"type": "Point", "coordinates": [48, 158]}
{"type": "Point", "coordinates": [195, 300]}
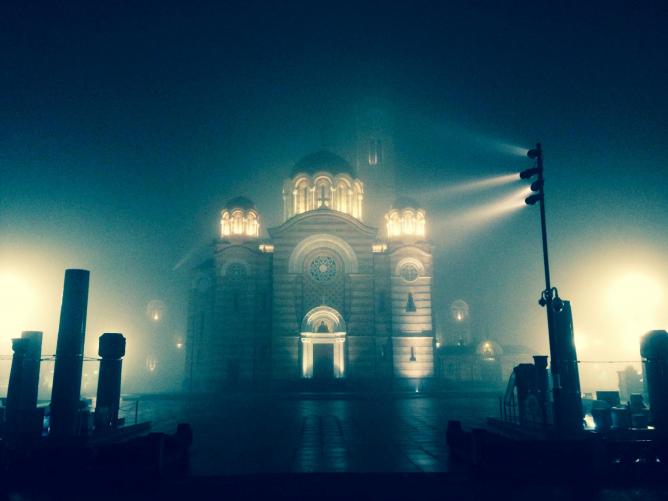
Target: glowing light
{"type": "Point", "coordinates": [512, 149]}
{"type": "Point", "coordinates": [581, 342]}
{"type": "Point", "coordinates": [155, 310]}
{"type": "Point", "coordinates": [17, 307]}
{"type": "Point", "coordinates": [378, 248]}
{"type": "Point", "coordinates": [151, 364]}
{"type": "Point", "coordinates": [306, 193]}
{"type": "Point", "coordinates": [459, 310]}
{"type": "Point", "coordinates": [406, 222]}
{"type": "Point", "coordinates": [179, 344]}
{"type": "Point", "coordinates": [634, 300]}
{"type": "Point", "coordinates": [589, 421]}
{"type": "Point", "coordinates": [239, 223]}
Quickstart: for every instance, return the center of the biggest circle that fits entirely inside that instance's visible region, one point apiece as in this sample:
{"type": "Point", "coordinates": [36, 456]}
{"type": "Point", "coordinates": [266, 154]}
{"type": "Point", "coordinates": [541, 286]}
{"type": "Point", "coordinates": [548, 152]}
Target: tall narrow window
{"type": "Point", "coordinates": [410, 304]}
{"type": "Point", "coordinates": [413, 359]}
{"type": "Point", "coordinates": [375, 152]}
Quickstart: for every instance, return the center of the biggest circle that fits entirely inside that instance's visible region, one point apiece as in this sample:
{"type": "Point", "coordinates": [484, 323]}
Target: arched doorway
{"type": "Point", "coordinates": [323, 334]}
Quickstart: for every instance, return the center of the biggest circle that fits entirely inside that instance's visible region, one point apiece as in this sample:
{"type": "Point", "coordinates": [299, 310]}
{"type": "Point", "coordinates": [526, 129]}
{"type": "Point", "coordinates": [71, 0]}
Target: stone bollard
{"type": "Point", "coordinates": [654, 352]}
{"type": "Point", "coordinates": [69, 355]}
{"type": "Point", "coordinates": [16, 387]}
{"type": "Point", "coordinates": [112, 350]}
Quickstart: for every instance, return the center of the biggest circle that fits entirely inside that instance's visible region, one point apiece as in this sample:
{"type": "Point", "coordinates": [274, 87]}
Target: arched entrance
{"type": "Point", "coordinates": [323, 334]}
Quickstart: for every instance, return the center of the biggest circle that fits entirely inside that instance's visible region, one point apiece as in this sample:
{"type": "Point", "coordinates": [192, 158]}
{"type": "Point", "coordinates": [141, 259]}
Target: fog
{"type": "Point", "coordinates": [125, 133]}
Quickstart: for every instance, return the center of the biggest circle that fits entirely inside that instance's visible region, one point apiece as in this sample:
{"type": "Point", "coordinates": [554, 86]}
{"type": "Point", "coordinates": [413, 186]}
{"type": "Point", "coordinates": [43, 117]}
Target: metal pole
{"type": "Point", "coordinates": [543, 226]}
{"type": "Point", "coordinates": [547, 295]}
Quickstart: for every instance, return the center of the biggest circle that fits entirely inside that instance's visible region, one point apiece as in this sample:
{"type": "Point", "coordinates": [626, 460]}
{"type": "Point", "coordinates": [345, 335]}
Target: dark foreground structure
{"type": "Point", "coordinates": [65, 440]}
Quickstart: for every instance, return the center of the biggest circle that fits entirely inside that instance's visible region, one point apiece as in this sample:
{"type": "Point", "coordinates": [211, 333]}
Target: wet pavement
{"type": "Point", "coordinates": [295, 434]}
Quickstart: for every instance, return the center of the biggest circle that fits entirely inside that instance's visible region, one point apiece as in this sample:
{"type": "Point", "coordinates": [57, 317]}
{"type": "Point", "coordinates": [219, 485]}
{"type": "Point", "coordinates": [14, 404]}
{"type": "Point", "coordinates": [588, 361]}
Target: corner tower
{"type": "Point", "coordinates": [411, 271]}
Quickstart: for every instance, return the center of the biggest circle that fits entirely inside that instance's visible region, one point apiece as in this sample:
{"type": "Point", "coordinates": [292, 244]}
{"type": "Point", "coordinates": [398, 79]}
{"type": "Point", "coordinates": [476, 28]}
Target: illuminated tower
{"type": "Point", "coordinates": [410, 267]}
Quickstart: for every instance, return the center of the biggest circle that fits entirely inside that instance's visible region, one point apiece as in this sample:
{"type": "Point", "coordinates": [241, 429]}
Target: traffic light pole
{"type": "Point", "coordinates": [543, 225]}
{"type": "Point", "coordinates": [563, 357]}
{"type": "Point", "coordinates": [547, 295]}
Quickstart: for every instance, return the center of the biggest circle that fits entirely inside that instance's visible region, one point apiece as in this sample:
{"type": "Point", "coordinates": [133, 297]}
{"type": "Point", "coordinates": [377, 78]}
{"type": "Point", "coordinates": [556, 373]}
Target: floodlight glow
{"type": "Point", "coordinates": [634, 300]}
{"type": "Point", "coordinates": [17, 307]}
{"type": "Point", "coordinates": [507, 204]}
{"type": "Point", "coordinates": [512, 149]}
{"type": "Point", "coordinates": [469, 186]}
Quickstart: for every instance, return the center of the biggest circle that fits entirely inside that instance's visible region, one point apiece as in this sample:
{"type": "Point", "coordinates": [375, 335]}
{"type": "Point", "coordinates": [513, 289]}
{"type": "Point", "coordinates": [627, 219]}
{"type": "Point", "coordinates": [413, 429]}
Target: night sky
{"type": "Point", "coordinates": [125, 127]}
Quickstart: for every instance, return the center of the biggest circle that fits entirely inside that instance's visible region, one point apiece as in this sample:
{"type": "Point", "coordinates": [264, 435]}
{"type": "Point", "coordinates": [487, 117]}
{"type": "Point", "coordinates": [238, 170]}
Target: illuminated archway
{"type": "Point", "coordinates": [323, 326]}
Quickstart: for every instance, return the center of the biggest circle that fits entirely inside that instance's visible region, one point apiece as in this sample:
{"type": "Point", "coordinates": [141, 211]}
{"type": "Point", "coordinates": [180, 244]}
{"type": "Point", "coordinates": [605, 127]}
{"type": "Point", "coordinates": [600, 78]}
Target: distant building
{"type": "Point", "coordinates": [484, 362]}
{"type": "Point", "coordinates": [342, 289]}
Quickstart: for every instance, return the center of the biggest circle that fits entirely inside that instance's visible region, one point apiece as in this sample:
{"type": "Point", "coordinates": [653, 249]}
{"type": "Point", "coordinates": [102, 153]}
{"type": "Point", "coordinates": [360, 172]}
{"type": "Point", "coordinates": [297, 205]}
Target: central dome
{"type": "Point", "coordinates": [322, 161]}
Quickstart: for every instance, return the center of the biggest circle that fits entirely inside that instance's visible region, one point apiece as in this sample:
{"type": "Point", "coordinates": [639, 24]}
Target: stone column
{"type": "Point", "coordinates": [112, 350]}
{"type": "Point", "coordinates": [69, 355]}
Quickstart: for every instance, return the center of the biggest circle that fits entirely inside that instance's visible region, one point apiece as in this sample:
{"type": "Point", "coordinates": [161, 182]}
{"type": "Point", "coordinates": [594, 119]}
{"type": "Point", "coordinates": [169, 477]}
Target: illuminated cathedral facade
{"type": "Point", "coordinates": [341, 290]}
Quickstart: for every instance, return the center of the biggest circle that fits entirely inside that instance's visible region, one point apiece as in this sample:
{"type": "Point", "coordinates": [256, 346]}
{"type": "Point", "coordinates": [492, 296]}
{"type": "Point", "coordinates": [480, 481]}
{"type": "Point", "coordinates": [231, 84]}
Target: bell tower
{"type": "Point", "coordinates": [375, 159]}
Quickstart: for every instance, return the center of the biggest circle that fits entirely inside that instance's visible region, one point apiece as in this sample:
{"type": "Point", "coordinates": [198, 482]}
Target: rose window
{"type": "Point", "coordinates": [409, 272]}
{"type": "Point", "coordinates": [235, 271]}
{"type": "Point", "coordinates": [322, 269]}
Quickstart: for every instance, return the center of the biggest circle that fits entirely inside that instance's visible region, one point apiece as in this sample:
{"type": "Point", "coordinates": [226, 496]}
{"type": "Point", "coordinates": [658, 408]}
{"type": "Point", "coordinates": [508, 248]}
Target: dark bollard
{"type": "Point", "coordinates": [16, 386]}
{"type": "Point", "coordinates": [22, 415]}
{"type": "Point", "coordinates": [654, 352]}
{"type": "Point", "coordinates": [69, 355]}
{"type": "Point", "coordinates": [31, 365]}
{"type": "Point", "coordinates": [112, 350]}
{"type": "Point", "coordinates": [567, 401]}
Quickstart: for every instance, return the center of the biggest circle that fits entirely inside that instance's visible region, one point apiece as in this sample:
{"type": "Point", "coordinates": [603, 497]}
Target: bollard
{"type": "Point", "coordinates": [16, 386]}
{"type": "Point", "coordinates": [112, 350]}
{"type": "Point", "coordinates": [69, 355]}
{"type": "Point", "coordinates": [654, 352]}
{"type": "Point", "coordinates": [31, 365]}
{"type": "Point", "coordinates": [567, 401]}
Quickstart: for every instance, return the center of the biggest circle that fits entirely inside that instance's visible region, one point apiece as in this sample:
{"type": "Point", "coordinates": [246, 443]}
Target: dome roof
{"type": "Point", "coordinates": [322, 160]}
{"type": "Point", "coordinates": [240, 203]}
{"type": "Point", "coordinates": [405, 203]}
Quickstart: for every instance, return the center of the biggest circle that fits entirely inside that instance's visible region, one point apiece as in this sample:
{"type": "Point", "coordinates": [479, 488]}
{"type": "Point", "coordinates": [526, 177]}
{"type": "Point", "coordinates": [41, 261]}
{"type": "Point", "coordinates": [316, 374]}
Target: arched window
{"type": "Point", "coordinates": [410, 304]}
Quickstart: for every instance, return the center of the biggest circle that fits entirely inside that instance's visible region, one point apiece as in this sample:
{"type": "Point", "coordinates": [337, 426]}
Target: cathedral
{"type": "Point", "coordinates": [341, 290]}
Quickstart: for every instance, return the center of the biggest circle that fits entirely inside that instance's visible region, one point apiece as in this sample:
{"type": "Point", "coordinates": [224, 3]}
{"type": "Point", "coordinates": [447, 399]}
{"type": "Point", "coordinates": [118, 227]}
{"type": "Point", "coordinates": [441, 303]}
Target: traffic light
{"type": "Point", "coordinates": [537, 170]}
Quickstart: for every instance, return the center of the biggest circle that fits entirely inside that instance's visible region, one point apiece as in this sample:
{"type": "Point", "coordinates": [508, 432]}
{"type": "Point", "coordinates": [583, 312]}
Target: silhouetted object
{"type": "Point", "coordinates": [621, 418]}
{"type": "Point", "coordinates": [601, 411]}
{"type": "Point", "coordinates": [654, 351]}
{"type": "Point", "coordinates": [16, 386]}
{"type": "Point", "coordinates": [69, 354]}
{"type": "Point", "coordinates": [24, 420]}
{"type": "Point", "coordinates": [612, 397]}
{"type": "Point", "coordinates": [112, 350]}
{"type": "Point", "coordinates": [529, 381]}
{"type": "Point", "coordinates": [567, 401]}
{"type": "Point", "coordinates": [630, 382]}
{"type": "Point", "coordinates": [565, 377]}
{"type": "Point", "coordinates": [526, 400]}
